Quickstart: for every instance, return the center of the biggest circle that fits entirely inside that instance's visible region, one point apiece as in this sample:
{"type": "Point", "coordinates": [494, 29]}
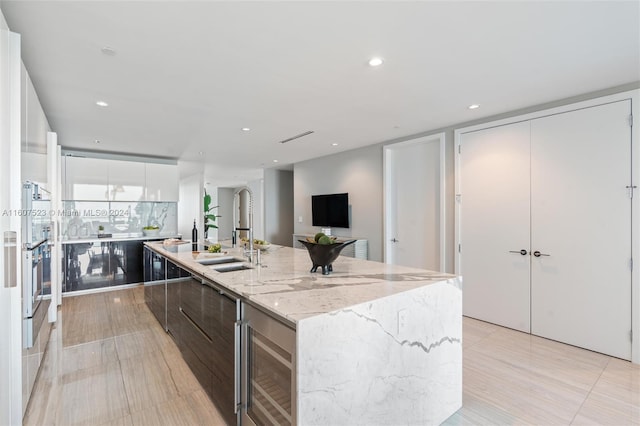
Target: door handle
{"type": "Point", "coordinates": [522, 252]}
{"type": "Point", "coordinates": [393, 240]}
{"type": "Point", "coordinates": [538, 254]}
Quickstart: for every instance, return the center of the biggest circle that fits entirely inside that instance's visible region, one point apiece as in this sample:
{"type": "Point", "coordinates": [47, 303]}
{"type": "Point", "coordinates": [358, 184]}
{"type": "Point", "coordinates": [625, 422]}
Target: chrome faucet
{"type": "Point", "coordinates": [249, 228]}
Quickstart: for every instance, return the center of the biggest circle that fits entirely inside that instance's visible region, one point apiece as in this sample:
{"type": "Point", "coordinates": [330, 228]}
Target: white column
{"type": "Point", "coordinates": [10, 202]}
{"type": "Point", "coordinates": [53, 177]}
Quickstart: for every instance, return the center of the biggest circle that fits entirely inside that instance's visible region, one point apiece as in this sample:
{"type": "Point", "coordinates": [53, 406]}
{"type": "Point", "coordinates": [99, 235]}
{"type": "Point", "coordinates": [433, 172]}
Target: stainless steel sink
{"type": "Point", "coordinates": [230, 267]}
{"type": "Point", "coordinates": [218, 260]}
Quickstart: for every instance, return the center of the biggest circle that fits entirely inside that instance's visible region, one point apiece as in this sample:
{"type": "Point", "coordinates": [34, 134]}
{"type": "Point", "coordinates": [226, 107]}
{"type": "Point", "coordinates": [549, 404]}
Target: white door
{"type": "Point", "coordinates": [493, 216]}
{"type": "Point", "coordinates": [10, 256]}
{"type": "Point", "coordinates": [581, 219]}
{"type": "Point", "coordinates": [414, 206]}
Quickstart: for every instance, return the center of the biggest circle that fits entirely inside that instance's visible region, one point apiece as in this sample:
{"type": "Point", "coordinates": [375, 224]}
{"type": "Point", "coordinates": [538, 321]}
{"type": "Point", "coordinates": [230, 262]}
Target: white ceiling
{"type": "Point", "coordinates": [188, 75]}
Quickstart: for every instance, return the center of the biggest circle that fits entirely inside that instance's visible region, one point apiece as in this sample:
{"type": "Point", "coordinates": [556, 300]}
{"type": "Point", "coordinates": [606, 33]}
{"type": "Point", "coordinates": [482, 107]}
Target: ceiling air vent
{"type": "Point", "coordinates": [296, 136]}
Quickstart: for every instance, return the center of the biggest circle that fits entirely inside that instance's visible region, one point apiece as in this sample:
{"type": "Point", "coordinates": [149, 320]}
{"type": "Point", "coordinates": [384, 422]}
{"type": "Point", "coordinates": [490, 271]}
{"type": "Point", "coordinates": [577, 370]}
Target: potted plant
{"type": "Point", "coordinates": [209, 216]}
{"type": "Point", "coordinates": [151, 230]}
{"type": "Point", "coordinates": [100, 229]}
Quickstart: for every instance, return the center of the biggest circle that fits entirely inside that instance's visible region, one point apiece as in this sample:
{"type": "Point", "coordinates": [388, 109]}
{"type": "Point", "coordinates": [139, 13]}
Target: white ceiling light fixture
{"type": "Point", "coordinates": [102, 104]}
{"type": "Point", "coordinates": [246, 129]}
{"type": "Point", "coordinates": [275, 161]}
{"type": "Point", "coordinates": [109, 51]}
{"type": "Point", "coordinates": [96, 141]}
{"type": "Point", "coordinates": [474, 106]}
{"type": "Point", "coordinates": [334, 144]}
{"type": "Point", "coordinates": [375, 61]}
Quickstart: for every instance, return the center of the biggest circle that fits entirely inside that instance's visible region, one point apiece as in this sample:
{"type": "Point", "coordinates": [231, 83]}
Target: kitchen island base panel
{"type": "Point", "coordinates": [399, 357]}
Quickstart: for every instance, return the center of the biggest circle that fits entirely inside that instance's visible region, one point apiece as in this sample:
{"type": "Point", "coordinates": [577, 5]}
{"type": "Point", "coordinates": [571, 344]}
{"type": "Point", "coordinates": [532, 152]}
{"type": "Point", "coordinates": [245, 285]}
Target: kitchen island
{"type": "Point", "coordinates": [372, 343]}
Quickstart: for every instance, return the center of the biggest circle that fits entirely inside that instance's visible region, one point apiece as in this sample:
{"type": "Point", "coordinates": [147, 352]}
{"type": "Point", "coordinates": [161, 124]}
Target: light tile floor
{"type": "Point", "coordinates": [515, 378]}
{"type": "Point", "coordinates": [109, 362]}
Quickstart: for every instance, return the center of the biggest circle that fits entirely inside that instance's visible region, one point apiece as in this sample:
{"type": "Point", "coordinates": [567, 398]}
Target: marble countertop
{"type": "Point", "coordinates": [283, 285]}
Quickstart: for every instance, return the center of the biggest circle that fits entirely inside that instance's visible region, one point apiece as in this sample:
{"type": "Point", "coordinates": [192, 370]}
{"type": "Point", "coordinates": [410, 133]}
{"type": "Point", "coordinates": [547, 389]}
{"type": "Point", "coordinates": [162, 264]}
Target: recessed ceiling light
{"type": "Point", "coordinates": [246, 129]}
{"type": "Point", "coordinates": [102, 104]}
{"type": "Point", "coordinates": [474, 106]}
{"type": "Point", "coordinates": [109, 51]}
{"type": "Point", "coordinates": [96, 141]}
{"type": "Point", "coordinates": [334, 144]}
{"type": "Point", "coordinates": [374, 62]}
{"type": "Point", "coordinates": [275, 161]}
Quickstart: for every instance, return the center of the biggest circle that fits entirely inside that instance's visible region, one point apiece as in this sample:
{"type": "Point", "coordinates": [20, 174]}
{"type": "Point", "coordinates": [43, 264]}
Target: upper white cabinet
{"type": "Point", "coordinates": [126, 180]}
{"type": "Point", "coordinates": [96, 179]}
{"type": "Point", "coordinates": [162, 182]}
{"type": "Point", "coordinates": [85, 179]}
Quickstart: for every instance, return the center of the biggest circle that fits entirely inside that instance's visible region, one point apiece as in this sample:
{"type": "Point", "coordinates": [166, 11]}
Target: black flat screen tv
{"type": "Point", "coordinates": [331, 210]}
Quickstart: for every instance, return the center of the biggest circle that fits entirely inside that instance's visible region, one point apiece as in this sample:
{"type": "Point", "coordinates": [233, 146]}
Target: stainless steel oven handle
{"type": "Point", "coordinates": [10, 252]}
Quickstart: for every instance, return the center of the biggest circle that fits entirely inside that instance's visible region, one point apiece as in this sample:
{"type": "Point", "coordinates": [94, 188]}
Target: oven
{"type": "Point", "coordinates": [36, 267]}
{"type": "Point", "coordinates": [34, 285]}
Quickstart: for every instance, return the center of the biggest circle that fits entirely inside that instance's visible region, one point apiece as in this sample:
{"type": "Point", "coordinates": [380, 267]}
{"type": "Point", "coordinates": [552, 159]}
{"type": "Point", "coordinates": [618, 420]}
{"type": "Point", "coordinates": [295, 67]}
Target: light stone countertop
{"type": "Point", "coordinates": [284, 286]}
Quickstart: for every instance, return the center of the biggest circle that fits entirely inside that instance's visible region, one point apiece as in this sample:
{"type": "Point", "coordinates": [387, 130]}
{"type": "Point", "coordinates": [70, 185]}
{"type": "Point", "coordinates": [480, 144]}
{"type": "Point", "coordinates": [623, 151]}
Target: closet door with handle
{"type": "Point", "coordinates": [581, 228]}
{"type": "Point", "coordinates": [493, 184]}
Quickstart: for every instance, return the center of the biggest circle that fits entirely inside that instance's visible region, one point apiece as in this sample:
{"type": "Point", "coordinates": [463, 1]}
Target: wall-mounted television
{"type": "Point", "coordinates": [330, 210]}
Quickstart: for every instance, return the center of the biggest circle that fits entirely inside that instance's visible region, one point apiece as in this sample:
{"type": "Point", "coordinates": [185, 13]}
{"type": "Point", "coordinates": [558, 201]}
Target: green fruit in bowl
{"type": "Point", "coordinates": [325, 240]}
{"type": "Point", "coordinates": [215, 248]}
{"type": "Point", "coordinates": [318, 236]}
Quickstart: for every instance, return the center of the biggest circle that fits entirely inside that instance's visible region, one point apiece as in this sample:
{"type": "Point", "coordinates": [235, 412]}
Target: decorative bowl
{"type": "Point", "coordinates": [262, 246]}
{"type": "Point", "coordinates": [323, 255]}
{"type": "Point", "coordinates": [150, 232]}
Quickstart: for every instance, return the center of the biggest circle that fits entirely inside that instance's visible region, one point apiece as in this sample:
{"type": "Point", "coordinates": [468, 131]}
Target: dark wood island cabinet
{"type": "Point", "coordinates": [201, 318]}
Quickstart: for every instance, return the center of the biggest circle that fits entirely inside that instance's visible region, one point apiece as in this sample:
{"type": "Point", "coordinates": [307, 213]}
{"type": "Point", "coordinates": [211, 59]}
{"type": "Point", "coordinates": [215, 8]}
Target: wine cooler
{"type": "Point", "coordinates": [268, 370]}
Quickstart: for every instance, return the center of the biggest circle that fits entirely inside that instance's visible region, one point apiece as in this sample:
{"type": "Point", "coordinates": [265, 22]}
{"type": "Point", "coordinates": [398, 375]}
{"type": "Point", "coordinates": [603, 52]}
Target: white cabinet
{"type": "Point", "coordinates": [126, 180]}
{"type": "Point", "coordinates": [85, 179]}
{"type": "Point", "coordinates": [34, 168]}
{"type": "Point", "coordinates": [545, 224]}
{"type": "Point", "coordinates": [162, 182]}
{"type": "Point", "coordinates": [97, 179]}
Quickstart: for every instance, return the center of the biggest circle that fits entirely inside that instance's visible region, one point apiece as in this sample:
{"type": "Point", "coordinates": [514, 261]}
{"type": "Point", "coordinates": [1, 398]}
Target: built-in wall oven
{"type": "Point", "coordinates": [36, 223]}
{"type": "Point", "coordinates": [35, 283]}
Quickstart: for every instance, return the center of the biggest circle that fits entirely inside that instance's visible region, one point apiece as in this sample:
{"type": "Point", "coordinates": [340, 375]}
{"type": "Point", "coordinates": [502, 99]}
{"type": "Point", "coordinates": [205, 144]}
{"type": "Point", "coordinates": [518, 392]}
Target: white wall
{"type": "Point", "coordinates": [278, 206]}
{"type": "Point", "coordinates": [225, 211]}
{"type": "Point", "coordinates": [358, 172]}
{"type": "Point", "coordinates": [191, 206]}
{"type": "Point", "coordinates": [344, 172]}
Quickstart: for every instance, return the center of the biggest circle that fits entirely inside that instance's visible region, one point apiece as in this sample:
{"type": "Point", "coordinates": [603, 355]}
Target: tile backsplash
{"type": "Point", "coordinates": [81, 219]}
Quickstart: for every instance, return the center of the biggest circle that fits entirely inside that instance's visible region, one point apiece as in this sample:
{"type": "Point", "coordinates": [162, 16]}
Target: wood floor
{"type": "Point", "coordinates": [110, 363]}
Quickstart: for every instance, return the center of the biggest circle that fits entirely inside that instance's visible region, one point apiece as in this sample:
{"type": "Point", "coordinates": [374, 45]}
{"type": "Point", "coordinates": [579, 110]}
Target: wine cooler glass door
{"type": "Point", "coordinates": [269, 371]}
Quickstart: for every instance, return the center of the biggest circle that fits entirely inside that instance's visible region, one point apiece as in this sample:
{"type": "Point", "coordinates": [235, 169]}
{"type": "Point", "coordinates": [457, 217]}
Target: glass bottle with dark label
{"type": "Point", "coordinates": [194, 233]}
